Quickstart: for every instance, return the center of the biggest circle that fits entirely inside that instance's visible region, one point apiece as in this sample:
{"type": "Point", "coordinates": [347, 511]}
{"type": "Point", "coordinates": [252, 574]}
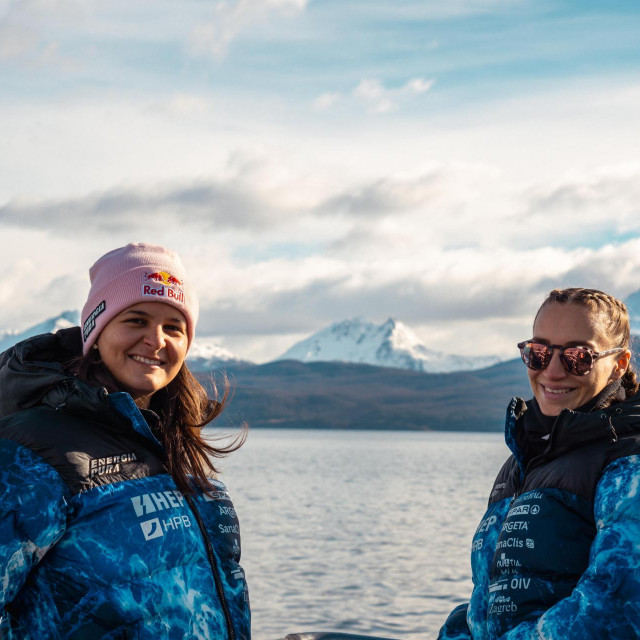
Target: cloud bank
{"type": "Point", "coordinates": [272, 257]}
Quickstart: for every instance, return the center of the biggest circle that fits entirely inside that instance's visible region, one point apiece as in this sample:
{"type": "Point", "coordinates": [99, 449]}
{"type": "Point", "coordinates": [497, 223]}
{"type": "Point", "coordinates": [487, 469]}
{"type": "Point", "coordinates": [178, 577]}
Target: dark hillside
{"type": "Point", "coordinates": [334, 395]}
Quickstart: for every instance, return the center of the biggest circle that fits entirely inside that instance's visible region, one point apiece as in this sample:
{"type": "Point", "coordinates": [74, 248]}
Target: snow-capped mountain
{"type": "Point", "coordinates": [63, 321]}
{"type": "Point", "coordinates": [633, 306]}
{"type": "Point", "coordinates": [390, 344]}
{"type": "Point", "coordinates": [203, 355]}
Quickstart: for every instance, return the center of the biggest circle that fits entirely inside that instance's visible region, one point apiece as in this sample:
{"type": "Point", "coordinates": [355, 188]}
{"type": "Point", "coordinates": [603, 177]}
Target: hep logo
{"type": "Point", "coordinates": [151, 529]}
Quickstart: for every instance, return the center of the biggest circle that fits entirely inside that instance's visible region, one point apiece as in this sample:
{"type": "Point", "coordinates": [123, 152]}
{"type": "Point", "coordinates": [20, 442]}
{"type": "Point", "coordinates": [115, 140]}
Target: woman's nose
{"type": "Point", "coordinates": [154, 336]}
{"type": "Point", "coordinates": [556, 368]}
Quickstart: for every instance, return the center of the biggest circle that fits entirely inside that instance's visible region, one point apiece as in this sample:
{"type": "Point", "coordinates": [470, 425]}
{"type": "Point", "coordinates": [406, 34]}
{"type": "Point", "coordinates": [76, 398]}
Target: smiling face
{"type": "Point", "coordinates": [572, 325]}
{"type": "Point", "coordinates": [143, 347]}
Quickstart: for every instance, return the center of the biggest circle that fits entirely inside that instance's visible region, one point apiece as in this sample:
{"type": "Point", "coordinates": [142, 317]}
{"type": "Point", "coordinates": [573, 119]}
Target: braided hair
{"type": "Point", "coordinates": [613, 316]}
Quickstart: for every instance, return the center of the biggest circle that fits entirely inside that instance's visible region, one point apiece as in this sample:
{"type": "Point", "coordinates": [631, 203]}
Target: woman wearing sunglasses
{"type": "Point", "coordinates": [557, 553]}
{"type": "Point", "coordinates": [111, 522]}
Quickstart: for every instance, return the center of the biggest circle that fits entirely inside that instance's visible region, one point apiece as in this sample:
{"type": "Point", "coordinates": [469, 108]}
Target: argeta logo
{"type": "Point", "coordinates": [151, 529]}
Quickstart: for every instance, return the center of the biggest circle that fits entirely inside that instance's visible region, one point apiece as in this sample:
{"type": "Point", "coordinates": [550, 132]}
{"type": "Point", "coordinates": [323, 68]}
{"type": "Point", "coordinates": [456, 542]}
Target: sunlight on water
{"type": "Point", "coordinates": [361, 532]}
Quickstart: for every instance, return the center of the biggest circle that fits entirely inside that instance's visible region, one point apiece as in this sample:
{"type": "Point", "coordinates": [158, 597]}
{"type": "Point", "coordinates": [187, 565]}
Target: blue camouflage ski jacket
{"type": "Point", "coordinates": [95, 539]}
{"type": "Point", "coordinates": [557, 554]}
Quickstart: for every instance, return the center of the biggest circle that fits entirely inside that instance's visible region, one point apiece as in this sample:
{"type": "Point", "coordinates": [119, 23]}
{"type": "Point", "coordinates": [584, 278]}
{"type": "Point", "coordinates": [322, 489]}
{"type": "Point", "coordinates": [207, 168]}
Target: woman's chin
{"type": "Point", "coordinates": [550, 408]}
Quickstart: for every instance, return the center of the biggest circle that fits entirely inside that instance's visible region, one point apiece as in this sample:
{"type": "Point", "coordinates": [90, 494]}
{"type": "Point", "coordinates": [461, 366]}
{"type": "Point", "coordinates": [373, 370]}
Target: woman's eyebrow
{"type": "Point", "coordinates": [569, 343]}
{"type": "Point", "coordinates": [138, 312]}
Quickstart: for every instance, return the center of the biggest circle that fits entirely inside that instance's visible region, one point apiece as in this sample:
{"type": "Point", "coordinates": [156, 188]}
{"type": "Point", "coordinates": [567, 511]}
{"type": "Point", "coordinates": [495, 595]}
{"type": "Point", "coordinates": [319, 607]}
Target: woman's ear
{"type": "Point", "coordinates": [621, 364]}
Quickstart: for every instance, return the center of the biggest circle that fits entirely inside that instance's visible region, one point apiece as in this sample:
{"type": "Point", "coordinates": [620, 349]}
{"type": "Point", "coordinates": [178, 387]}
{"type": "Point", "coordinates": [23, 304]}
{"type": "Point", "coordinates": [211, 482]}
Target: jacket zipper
{"type": "Point", "coordinates": [534, 462]}
{"type": "Point", "coordinates": [214, 567]}
{"type": "Point", "coordinates": [207, 542]}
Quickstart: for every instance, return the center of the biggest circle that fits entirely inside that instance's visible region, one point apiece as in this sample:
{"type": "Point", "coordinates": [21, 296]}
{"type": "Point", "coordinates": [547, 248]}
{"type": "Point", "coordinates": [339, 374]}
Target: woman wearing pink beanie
{"type": "Point", "coordinates": [112, 523]}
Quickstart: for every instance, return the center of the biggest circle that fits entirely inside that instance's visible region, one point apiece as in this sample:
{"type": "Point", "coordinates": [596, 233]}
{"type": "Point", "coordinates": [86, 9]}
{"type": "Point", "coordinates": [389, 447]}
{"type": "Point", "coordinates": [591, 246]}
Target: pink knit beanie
{"type": "Point", "coordinates": [139, 272]}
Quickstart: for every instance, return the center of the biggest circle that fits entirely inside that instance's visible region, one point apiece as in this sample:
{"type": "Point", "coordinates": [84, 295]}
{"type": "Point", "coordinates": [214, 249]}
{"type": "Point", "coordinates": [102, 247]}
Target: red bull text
{"type": "Point", "coordinates": [163, 292]}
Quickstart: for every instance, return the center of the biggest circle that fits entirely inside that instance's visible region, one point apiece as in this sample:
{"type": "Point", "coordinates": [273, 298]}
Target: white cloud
{"type": "Point", "coordinates": [16, 41]}
{"type": "Point", "coordinates": [380, 99]}
{"type": "Point", "coordinates": [444, 270]}
{"type": "Point", "coordinates": [418, 86]}
{"type": "Point", "coordinates": [326, 100]}
{"type": "Point", "coordinates": [212, 204]}
{"type": "Point", "coordinates": [375, 96]}
{"type": "Point", "coordinates": [229, 19]}
{"type": "Point", "coordinates": [477, 288]}
{"type": "Point", "coordinates": [384, 196]}
{"type": "Point", "coordinates": [24, 27]}
{"type": "Point", "coordinates": [372, 92]}
{"type": "Point", "coordinates": [608, 197]}
{"type": "Point", "coordinates": [185, 104]}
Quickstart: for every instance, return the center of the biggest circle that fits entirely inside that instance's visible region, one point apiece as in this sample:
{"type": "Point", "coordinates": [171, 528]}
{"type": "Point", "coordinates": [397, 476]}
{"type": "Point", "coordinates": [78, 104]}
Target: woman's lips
{"type": "Point", "coordinates": [149, 361]}
{"type": "Point", "coordinates": [557, 391]}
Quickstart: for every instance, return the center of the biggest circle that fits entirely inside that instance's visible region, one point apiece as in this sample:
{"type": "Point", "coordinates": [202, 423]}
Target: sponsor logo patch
{"type": "Point", "coordinates": [161, 284]}
{"type": "Point", "coordinates": [109, 464]}
{"type": "Point", "coordinates": [90, 323]}
{"type": "Point", "coordinates": [151, 529]}
{"type": "Point", "coordinates": [151, 503]}
{"type": "Point", "coordinates": [146, 503]}
{"type": "Point", "coordinates": [521, 510]}
{"type": "Point", "coordinates": [498, 488]}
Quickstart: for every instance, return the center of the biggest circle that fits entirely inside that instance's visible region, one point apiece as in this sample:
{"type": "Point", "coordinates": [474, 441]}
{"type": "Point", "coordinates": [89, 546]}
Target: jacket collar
{"type": "Point", "coordinates": [32, 373]}
{"type": "Point", "coordinates": [573, 429]}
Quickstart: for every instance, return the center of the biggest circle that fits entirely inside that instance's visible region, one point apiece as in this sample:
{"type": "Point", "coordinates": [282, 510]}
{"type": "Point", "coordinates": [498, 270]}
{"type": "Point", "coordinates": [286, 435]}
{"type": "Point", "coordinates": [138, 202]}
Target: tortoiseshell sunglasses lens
{"type": "Point", "coordinates": [537, 356]}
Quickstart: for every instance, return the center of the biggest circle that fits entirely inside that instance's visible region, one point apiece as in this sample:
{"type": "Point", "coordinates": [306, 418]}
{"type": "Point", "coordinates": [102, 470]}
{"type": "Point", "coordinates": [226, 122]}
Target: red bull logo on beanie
{"type": "Point", "coordinates": [162, 277]}
{"type": "Point", "coordinates": [161, 284]}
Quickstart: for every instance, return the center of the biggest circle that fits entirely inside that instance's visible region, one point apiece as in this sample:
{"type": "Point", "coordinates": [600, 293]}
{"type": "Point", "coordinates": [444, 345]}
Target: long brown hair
{"type": "Point", "coordinates": [613, 317]}
{"type": "Point", "coordinates": [184, 408]}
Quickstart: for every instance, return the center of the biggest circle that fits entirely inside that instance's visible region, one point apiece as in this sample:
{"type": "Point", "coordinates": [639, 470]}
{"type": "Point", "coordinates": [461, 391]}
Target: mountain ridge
{"type": "Point", "coordinates": [390, 344]}
{"type": "Point", "coordinates": [339, 395]}
{"type": "Point", "coordinates": [63, 320]}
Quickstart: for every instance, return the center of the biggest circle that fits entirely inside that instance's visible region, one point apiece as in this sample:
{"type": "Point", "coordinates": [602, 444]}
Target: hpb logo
{"type": "Point", "coordinates": [151, 529]}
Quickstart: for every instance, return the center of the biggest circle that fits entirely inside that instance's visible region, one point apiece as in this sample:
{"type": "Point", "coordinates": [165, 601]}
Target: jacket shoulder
{"type": "Point", "coordinates": [85, 454]}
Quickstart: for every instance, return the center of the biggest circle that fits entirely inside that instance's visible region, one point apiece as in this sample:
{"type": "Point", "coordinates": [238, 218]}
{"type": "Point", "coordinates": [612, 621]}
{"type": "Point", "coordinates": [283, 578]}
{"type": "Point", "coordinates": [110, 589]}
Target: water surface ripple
{"type": "Point", "coordinates": [359, 531]}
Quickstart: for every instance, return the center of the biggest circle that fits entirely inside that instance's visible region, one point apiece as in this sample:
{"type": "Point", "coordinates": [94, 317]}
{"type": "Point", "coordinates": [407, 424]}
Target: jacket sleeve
{"type": "Point", "coordinates": [606, 600]}
{"type": "Point", "coordinates": [455, 626]}
{"type": "Point", "coordinates": [32, 517]}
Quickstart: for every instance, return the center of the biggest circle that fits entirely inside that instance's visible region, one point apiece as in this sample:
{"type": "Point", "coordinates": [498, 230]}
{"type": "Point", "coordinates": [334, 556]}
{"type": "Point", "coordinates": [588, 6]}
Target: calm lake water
{"type": "Point", "coordinates": [359, 531]}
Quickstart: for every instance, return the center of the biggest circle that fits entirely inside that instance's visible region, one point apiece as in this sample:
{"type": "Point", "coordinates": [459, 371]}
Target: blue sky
{"type": "Point", "coordinates": [443, 162]}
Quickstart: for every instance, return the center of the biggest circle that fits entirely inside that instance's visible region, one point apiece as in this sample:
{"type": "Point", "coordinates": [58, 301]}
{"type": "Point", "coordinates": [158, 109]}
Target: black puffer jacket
{"type": "Point", "coordinates": [95, 539]}
{"type": "Point", "coordinates": [556, 555]}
